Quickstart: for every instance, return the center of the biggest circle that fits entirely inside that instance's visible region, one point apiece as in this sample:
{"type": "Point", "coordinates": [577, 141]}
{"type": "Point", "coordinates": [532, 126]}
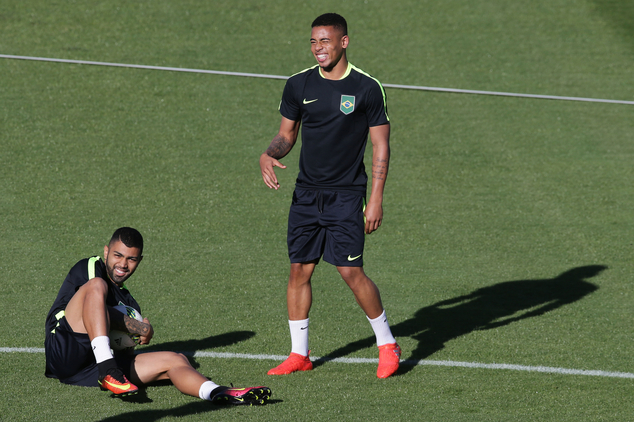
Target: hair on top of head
{"type": "Point", "coordinates": [129, 236]}
{"type": "Point", "coordinates": [332, 19]}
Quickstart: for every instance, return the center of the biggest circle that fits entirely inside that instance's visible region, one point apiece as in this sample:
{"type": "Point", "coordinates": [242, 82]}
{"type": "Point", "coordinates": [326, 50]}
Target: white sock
{"type": "Point", "coordinates": [381, 330]}
{"type": "Point", "coordinates": [206, 388]}
{"type": "Point", "coordinates": [101, 348]}
{"type": "Point", "coordinates": [299, 336]}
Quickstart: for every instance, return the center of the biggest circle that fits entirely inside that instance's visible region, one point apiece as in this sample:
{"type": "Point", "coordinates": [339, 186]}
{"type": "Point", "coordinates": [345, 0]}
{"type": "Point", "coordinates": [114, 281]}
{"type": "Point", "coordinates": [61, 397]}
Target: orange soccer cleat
{"type": "Point", "coordinates": [389, 358]}
{"type": "Point", "coordinates": [118, 384]}
{"type": "Point", "coordinates": [295, 362]}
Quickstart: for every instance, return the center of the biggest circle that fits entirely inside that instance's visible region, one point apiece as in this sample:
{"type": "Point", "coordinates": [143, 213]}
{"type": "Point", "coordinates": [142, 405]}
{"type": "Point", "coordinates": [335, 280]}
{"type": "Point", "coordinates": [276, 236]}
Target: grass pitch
{"type": "Point", "coordinates": [507, 235]}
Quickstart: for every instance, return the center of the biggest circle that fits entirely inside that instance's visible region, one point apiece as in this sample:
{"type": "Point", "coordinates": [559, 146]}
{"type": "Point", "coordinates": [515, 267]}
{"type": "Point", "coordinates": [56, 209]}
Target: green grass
{"type": "Point", "coordinates": [489, 200]}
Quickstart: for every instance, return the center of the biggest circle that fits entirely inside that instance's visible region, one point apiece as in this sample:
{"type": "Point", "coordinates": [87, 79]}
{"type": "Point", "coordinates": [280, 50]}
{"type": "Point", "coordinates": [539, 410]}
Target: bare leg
{"type": "Point", "coordinates": [365, 291]}
{"type": "Point", "coordinates": [87, 312]}
{"type": "Point", "coordinates": [156, 366]}
{"type": "Point", "coordinates": [299, 296]}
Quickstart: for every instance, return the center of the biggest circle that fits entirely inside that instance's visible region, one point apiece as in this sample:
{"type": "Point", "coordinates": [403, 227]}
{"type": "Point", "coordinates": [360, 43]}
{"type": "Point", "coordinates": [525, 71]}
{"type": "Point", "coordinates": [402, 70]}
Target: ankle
{"type": "Point", "coordinates": [106, 367]}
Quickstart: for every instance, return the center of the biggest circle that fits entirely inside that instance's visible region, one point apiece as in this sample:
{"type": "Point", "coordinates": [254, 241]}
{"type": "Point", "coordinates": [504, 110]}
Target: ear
{"type": "Point", "coordinates": [344, 41]}
{"type": "Point", "coordinates": [105, 253]}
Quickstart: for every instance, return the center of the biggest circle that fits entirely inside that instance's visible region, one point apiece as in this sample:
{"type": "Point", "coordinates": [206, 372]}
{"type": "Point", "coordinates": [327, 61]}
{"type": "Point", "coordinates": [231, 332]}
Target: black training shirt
{"type": "Point", "coordinates": [83, 271]}
{"type": "Point", "coordinates": [335, 118]}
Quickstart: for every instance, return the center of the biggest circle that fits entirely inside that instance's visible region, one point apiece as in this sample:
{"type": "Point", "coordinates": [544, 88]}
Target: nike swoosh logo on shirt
{"type": "Point", "coordinates": [309, 101]}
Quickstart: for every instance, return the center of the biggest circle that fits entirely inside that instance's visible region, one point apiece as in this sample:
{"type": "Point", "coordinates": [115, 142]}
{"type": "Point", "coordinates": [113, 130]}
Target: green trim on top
{"type": "Point", "coordinates": [345, 75]}
{"type": "Point", "coordinates": [305, 70]}
{"type": "Point", "coordinates": [301, 71]}
{"type": "Point", "coordinates": [61, 314]}
{"type": "Point", "coordinates": [91, 267]}
{"type": "Point", "coordinates": [91, 270]}
{"type": "Point", "coordinates": [381, 86]}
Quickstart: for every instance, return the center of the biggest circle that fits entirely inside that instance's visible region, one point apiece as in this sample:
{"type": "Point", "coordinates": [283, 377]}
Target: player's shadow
{"type": "Point", "coordinates": [484, 309]}
{"type": "Point", "coordinates": [188, 347]}
{"type": "Point", "coordinates": [193, 408]}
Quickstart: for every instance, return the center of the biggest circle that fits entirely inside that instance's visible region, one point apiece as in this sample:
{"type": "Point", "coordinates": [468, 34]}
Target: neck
{"type": "Point", "coordinates": [337, 71]}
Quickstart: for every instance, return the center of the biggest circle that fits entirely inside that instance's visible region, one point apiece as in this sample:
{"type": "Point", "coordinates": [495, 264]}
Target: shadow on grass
{"type": "Point", "coordinates": [620, 13]}
{"type": "Point", "coordinates": [220, 340]}
{"type": "Point", "coordinates": [184, 346]}
{"type": "Point", "coordinates": [193, 408]}
{"type": "Point", "coordinates": [191, 346]}
{"type": "Point", "coordinates": [157, 414]}
{"type": "Point", "coordinates": [484, 309]}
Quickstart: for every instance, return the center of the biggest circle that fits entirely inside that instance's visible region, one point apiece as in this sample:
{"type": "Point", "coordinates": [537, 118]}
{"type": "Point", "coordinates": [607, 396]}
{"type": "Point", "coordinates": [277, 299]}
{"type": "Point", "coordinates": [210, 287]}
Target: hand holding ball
{"type": "Point", "coordinates": [120, 340]}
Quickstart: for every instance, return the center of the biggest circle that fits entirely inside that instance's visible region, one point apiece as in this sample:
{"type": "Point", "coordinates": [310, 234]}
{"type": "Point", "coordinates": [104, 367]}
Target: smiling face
{"type": "Point", "coordinates": [121, 261]}
{"type": "Point", "coordinates": [328, 45]}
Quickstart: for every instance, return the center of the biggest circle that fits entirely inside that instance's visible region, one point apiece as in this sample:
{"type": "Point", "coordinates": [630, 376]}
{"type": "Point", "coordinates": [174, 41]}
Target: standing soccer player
{"type": "Point", "coordinates": [337, 105]}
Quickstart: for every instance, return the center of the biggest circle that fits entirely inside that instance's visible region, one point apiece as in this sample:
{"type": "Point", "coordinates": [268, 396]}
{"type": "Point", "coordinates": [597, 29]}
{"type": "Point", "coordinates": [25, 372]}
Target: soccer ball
{"type": "Point", "coordinates": [120, 340]}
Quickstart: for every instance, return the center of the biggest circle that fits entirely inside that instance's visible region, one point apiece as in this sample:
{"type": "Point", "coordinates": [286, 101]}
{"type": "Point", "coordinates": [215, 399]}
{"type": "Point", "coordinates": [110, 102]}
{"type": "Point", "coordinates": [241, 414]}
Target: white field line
{"type": "Point", "coordinates": [261, 75]}
{"type": "Point", "coordinates": [474, 365]}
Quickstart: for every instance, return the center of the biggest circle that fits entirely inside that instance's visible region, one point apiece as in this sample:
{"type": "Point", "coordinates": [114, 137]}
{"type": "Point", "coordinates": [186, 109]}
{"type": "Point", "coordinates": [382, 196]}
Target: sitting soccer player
{"type": "Point", "coordinates": [77, 343]}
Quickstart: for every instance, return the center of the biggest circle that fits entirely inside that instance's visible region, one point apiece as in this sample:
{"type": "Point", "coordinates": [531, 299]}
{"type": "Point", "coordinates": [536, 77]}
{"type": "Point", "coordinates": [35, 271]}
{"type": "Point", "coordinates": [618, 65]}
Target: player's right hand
{"type": "Point", "coordinates": [267, 164]}
{"type": "Point", "coordinates": [146, 338]}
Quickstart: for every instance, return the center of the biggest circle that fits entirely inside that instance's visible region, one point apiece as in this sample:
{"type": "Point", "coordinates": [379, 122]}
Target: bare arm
{"type": "Point", "coordinates": [120, 321]}
{"type": "Point", "coordinates": [380, 137]}
{"type": "Point", "coordinates": [280, 146]}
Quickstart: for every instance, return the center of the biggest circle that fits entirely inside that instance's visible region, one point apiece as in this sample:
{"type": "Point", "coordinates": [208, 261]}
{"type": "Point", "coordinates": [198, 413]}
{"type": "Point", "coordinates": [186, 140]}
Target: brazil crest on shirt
{"type": "Point", "coordinates": [335, 116]}
{"type": "Point", "coordinates": [347, 104]}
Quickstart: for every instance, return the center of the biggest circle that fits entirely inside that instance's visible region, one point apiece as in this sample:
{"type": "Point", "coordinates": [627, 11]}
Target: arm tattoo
{"type": "Point", "coordinates": [129, 325]}
{"type": "Point", "coordinates": [379, 169]}
{"type": "Point", "coordinates": [280, 146]}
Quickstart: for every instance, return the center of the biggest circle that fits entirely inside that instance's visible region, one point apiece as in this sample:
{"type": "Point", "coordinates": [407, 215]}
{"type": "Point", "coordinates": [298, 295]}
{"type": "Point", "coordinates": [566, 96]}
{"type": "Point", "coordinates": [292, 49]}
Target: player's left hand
{"type": "Point", "coordinates": [146, 339]}
{"type": "Point", "coordinates": [373, 217]}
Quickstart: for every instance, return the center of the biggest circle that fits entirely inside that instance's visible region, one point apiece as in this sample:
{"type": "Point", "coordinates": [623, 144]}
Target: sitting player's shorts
{"type": "Point", "coordinates": [326, 223]}
{"type": "Point", "coordinates": [69, 357]}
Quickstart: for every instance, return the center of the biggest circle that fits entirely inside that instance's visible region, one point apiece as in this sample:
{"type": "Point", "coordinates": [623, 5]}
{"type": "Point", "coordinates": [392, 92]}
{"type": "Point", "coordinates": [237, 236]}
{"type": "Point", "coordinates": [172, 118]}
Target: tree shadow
{"type": "Point", "coordinates": [188, 347]}
{"type": "Point", "coordinates": [484, 309]}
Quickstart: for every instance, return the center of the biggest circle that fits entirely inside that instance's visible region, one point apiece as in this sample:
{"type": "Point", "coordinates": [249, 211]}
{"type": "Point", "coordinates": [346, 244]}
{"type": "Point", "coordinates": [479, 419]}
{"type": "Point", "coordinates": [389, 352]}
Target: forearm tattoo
{"type": "Point", "coordinates": [379, 168]}
{"type": "Point", "coordinates": [280, 146]}
{"type": "Point", "coordinates": [129, 325]}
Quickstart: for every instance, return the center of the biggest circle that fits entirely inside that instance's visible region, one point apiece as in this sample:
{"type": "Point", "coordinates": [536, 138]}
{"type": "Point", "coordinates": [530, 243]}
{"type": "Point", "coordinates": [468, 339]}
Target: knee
{"type": "Point", "coordinates": [179, 360]}
{"type": "Point", "coordinates": [168, 361]}
{"type": "Point", "coordinates": [96, 285]}
{"type": "Point", "coordinates": [300, 274]}
{"type": "Point", "coordinates": [352, 275]}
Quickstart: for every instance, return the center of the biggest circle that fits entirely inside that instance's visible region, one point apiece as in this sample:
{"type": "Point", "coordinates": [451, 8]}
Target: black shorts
{"type": "Point", "coordinates": [326, 223]}
{"type": "Point", "coordinates": [69, 357]}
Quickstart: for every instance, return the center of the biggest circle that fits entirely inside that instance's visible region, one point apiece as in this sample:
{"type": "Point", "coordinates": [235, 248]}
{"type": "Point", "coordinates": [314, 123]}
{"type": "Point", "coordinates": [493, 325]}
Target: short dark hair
{"type": "Point", "coordinates": [129, 236]}
{"type": "Point", "coordinates": [332, 19]}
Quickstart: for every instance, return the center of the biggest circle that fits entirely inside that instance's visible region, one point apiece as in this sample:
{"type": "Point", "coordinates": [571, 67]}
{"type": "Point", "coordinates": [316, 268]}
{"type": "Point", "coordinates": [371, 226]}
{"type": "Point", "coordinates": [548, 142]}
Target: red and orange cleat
{"type": "Point", "coordinates": [118, 384]}
{"type": "Point", "coordinates": [389, 358]}
{"type": "Point", "coordinates": [295, 362]}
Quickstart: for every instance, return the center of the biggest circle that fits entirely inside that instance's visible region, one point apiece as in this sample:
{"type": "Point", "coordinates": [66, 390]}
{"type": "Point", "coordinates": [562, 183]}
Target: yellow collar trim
{"type": "Point", "coordinates": [345, 75]}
